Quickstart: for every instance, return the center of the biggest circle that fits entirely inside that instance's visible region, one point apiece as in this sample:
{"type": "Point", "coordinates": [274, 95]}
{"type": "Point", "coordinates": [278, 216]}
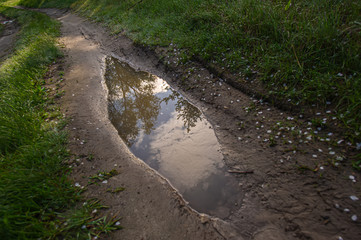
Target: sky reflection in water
{"type": "Point", "coordinates": [170, 135]}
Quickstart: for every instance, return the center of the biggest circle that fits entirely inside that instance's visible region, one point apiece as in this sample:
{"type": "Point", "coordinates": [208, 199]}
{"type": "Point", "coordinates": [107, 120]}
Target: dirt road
{"type": "Point", "coordinates": [7, 36]}
{"type": "Point", "coordinates": [300, 186]}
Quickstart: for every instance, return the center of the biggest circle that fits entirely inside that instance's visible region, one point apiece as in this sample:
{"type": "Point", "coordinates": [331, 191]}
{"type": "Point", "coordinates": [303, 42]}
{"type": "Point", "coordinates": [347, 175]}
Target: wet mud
{"type": "Point", "coordinates": [301, 184]}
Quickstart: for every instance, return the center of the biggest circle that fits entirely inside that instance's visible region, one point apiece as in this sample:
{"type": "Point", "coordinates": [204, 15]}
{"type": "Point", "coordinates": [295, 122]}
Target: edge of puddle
{"type": "Point", "coordinates": [224, 228]}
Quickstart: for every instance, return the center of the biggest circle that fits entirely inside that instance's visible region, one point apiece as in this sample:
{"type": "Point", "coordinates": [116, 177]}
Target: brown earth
{"type": "Point", "coordinates": [7, 36]}
{"type": "Point", "coordinates": [300, 187]}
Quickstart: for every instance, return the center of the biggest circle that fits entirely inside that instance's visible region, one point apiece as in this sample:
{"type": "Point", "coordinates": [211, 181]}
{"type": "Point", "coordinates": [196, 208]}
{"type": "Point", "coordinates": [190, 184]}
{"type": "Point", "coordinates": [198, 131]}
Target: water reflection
{"type": "Point", "coordinates": [170, 135]}
{"type": "Point", "coordinates": [189, 113]}
{"type": "Point", "coordinates": [135, 99]}
{"type": "Point", "coordinates": [132, 105]}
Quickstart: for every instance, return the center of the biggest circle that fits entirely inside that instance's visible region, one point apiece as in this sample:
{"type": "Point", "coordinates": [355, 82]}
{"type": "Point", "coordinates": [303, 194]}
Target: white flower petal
{"type": "Point", "coordinates": [354, 198]}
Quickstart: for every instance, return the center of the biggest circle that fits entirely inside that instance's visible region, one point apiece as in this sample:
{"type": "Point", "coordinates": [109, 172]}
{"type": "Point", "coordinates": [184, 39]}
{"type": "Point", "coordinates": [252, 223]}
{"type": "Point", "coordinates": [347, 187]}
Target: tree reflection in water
{"type": "Point", "coordinates": [189, 113]}
{"type": "Point", "coordinates": [134, 105]}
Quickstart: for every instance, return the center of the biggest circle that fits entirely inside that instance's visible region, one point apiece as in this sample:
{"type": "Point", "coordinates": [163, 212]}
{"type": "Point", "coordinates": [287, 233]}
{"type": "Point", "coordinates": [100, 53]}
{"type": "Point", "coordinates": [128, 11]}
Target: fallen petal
{"type": "Point", "coordinates": [354, 198]}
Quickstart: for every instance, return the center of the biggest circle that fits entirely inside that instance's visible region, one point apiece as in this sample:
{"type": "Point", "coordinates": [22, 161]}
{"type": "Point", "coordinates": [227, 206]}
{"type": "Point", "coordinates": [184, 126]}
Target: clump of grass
{"type": "Point", "coordinates": [35, 194]}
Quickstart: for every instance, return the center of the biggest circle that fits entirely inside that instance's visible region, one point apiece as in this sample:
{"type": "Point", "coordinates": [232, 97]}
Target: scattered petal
{"type": "Point", "coordinates": [332, 153]}
{"type": "Point", "coordinates": [314, 155]}
{"type": "Point", "coordinates": [117, 223]}
{"type": "Point", "coordinates": [354, 218]}
{"type": "Point", "coordinates": [354, 198]}
{"type": "Point", "coordinates": [338, 158]}
{"type": "Point", "coordinates": [77, 185]}
{"type": "Point", "coordinates": [105, 181]}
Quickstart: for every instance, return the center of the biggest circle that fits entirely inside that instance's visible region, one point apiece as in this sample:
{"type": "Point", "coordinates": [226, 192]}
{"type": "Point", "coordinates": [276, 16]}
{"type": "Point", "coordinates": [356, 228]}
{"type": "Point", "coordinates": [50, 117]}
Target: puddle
{"type": "Point", "coordinates": [172, 136]}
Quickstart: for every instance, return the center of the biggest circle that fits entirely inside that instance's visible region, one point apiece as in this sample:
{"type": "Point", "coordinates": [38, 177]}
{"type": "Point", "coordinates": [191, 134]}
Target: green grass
{"type": "Point", "coordinates": [37, 201]}
{"type": "Point", "coordinates": [308, 52]}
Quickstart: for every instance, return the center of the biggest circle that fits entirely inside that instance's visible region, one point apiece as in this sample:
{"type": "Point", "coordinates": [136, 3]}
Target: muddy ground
{"type": "Point", "coordinates": [302, 185]}
{"type": "Point", "coordinates": [7, 36]}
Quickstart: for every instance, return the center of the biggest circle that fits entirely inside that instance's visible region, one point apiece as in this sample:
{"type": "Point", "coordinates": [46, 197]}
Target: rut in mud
{"type": "Point", "coordinates": [172, 136]}
{"type": "Point", "coordinates": [300, 188]}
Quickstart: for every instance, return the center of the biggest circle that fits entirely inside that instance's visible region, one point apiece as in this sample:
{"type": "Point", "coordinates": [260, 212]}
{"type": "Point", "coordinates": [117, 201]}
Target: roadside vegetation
{"type": "Point", "coordinates": [37, 200]}
{"type": "Point", "coordinates": [306, 53]}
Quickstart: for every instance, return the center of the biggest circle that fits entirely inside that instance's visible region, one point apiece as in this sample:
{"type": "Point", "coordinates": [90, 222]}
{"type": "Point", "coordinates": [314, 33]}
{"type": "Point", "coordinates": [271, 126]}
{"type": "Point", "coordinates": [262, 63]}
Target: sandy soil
{"type": "Point", "coordinates": [300, 188]}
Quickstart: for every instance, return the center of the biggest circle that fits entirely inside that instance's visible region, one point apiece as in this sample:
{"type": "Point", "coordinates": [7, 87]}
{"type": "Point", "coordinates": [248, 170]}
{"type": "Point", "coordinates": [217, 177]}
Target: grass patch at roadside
{"type": "Point", "coordinates": [305, 52]}
{"type": "Point", "coordinates": [37, 201]}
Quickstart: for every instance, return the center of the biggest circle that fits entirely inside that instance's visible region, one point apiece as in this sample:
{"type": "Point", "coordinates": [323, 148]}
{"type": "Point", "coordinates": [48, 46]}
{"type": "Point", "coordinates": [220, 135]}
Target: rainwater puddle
{"type": "Point", "coordinates": [172, 136]}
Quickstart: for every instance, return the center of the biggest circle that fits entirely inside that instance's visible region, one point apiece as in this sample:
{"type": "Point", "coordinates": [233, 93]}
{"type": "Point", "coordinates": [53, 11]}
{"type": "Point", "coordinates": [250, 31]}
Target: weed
{"type": "Point", "coordinates": [102, 175]}
{"type": "Point", "coordinates": [272, 141]}
{"type": "Point", "coordinates": [116, 190]}
{"type": "Point", "coordinates": [90, 157]}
